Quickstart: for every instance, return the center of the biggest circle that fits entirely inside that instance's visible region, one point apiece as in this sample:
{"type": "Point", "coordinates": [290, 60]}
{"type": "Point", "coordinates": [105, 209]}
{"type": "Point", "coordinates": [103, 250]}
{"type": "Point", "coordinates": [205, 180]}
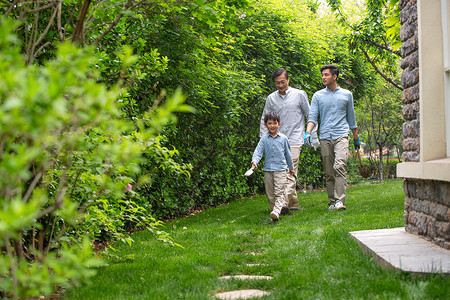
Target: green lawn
{"type": "Point", "coordinates": [309, 253]}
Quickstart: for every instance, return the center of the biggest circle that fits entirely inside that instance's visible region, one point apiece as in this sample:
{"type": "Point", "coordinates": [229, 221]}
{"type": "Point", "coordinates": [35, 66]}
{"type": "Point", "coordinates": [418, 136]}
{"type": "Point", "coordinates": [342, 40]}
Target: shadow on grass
{"type": "Point", "coordinates": [309, 253]}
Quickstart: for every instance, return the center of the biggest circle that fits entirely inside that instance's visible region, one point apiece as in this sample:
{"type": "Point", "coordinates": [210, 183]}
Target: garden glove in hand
{"type": "Point", "coordinates": [307, 140]}
{"type": "Point", "coordinates": [315, 140]}
{"type": "Point", "coordinates": [357, 143]}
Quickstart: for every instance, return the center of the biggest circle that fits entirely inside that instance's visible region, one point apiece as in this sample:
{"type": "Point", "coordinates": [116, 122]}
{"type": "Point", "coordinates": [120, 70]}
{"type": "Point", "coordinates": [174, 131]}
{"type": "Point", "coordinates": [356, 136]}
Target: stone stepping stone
{"type": "Point", "coordinates": [398, 249]}
{"type": "Point", "coordinates": [244, 277]}
{"type": "Point", "coordinates": [241, 294]}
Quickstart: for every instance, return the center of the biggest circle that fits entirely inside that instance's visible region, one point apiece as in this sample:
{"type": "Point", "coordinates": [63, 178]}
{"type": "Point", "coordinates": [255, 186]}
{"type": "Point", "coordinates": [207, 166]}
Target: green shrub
{"type": "Point", "coordinates": [310, 168]}
{"type": "Point", "coordinates": [66, 159]}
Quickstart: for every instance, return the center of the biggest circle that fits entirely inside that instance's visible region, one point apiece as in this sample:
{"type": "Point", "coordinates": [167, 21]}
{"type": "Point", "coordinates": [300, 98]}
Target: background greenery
{"type": "Point", "coordinates": [97, 138]}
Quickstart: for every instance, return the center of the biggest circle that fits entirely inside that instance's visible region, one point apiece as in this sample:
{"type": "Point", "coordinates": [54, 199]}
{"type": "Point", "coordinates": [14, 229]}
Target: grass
{"type": "Point", "coordinates": [309, 253]}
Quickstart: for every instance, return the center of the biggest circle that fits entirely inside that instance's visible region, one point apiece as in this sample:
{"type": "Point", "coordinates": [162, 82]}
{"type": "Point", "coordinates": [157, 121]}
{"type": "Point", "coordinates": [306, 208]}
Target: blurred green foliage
{"type": "Point", "coordinates": [67, 156]}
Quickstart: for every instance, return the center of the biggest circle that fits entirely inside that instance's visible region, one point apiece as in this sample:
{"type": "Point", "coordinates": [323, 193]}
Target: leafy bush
{"type": "Point", "coordinates": [310, 168]}
{"type": "Point", "coordinates": [66, 159]}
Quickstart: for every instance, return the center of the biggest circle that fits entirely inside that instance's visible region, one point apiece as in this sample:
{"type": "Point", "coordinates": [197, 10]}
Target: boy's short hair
{"type": "Point", "coordinates": [273, 116]}
{"type": "Point", "coordinates": [334, 70]}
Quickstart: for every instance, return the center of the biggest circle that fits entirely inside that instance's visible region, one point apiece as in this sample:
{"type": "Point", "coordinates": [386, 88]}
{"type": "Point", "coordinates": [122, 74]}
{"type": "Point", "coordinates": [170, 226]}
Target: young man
{"type": "Point", "coordinates": [277, 151]}
{"type": "Point", "coordinates": [334, 105]}
{"type": "Point", "coordinates": [293, 107]}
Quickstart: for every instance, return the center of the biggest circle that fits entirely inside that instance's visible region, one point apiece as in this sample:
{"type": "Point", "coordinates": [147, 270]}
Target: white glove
{"type": "Point", "coordinates": [315, 141]}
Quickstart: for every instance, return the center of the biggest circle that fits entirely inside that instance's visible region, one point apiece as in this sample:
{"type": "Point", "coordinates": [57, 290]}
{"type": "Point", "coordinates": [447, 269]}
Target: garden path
{"type": "Point", "coordinates": [395, 248]}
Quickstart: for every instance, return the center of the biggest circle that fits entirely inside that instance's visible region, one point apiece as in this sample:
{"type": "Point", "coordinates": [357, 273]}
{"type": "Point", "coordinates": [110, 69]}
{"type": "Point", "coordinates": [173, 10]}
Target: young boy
{"type": "Point", "coordinates": [277, 151]}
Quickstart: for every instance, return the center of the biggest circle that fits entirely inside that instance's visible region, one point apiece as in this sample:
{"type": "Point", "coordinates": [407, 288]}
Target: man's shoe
{"type": "Point", "coordinates": [339, 206]}
{"type": "Point", "coordinates": [284, 211]}
{"type": "Point", "coordinates": [332, 207]}
{"type": "Point", "coordinates": [274, 216]}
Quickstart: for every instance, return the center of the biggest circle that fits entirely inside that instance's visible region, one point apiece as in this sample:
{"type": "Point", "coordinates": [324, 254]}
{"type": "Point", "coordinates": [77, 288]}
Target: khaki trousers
{"type": "Point", "coordinates": [334, 156]}
{"type": "Point", "coordinates": [291, 184]}
{"type": "Point", "coordinates": [275, 183]}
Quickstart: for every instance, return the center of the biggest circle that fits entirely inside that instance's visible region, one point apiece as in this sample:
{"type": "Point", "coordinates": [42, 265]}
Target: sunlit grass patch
{"type": "Point", "coordinates": [309, 253]}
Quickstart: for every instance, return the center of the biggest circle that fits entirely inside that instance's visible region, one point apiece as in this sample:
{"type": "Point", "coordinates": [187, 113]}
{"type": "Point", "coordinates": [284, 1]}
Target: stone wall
{"type": "Point", "coordinates": [410, 80]}
{"type": "Point", "coordinates": [427, 204]}
{"type": "Point", "coordinates": [427, 211]}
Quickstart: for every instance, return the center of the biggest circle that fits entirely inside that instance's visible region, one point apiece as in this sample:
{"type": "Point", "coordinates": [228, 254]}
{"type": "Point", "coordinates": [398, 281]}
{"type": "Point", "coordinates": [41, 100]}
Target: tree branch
{"type": "Point", "coordinates": [41, 37]}
{"type": "Point", "coordinates": [13, 267]}
{"type": "Point", "coordinates": [10, 8]}
{"type": "Point", "coordinates": [61, 192]}
{"type": "Point", "coordinates": [384, 47]}
{"type": "Point", "coordinates": [90, 18]}
{"type": "Point", "coordinates": [42, 48]}
{"type": "Point", "coordinates": [31, 187]}
{"type": "Point", "coordinates": [80, 21]}
{"type": "Point", "coordinates": [39, 9]}
{"type": "Point", "coordinates": [58, 22]}
{"type": "Point", "coordinates": [381, 73]}
{"type": "Point", "coordinates": [113, 24]}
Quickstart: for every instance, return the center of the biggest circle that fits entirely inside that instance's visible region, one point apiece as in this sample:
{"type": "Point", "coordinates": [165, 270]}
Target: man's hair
{"type": "Point", "coordinates": [334, 70]}
{"type": "Point", "coordinates": [273, 116]}
{"type": "Point", "coordinates": [278, 72]}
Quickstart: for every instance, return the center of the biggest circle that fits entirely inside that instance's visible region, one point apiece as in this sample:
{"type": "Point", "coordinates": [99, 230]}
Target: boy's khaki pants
{"type": "Point", "coordinates": [275, 183]}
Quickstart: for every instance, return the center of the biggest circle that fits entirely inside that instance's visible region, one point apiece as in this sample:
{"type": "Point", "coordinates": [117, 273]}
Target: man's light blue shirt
{"type": "Point", "coordinates": [337, 114]}
{"type": "Point", "coordinates": [277, 152]}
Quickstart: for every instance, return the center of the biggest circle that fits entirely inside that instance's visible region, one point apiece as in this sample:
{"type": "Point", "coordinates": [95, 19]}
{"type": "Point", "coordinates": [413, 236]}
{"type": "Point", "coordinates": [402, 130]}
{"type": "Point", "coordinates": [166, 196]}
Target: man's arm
{"type": "Point", "coordinates": [262, 128]}
{"type": "Point", "coordinates": [310, 126]}
{"type": "Point", "coordinates": [356, 140]}
{"type": "Point", "coordinates": [288, 154]}
{"type": "Point", "coordinates": [351, 119]}
{"type": "Point", "coordinates": [304, 104]}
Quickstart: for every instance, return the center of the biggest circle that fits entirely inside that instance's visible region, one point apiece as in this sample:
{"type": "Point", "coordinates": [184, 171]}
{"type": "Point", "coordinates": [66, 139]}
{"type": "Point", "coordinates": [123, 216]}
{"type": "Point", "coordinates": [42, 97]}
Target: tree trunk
{"type": "Point", "coordinates": [387, 165]}
{"type": "Point", "coordinates": [80, 21]}
{"type": "Point", "coordinates": [381, 163]}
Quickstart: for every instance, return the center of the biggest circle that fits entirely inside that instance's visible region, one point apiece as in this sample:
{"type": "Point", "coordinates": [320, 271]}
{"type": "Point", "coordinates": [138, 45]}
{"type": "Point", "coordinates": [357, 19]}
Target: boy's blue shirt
{"type": "Point", "coordinates": [276, 150]}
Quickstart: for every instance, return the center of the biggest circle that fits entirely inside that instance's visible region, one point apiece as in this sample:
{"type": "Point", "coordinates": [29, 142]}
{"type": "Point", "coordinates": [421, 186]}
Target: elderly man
{"type": "Point", "coordinates": [293, 107]}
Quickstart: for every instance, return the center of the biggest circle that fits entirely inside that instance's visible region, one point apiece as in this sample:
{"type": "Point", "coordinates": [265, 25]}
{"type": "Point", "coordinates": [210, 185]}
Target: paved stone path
{"type": "Point", "coordinates": [395, 248]}
{"type": "Point", "coordinates": [244, 294]}
{"type": "Point", "coordinates": [244, 277]}
{"type": "Point", "coordinates": [241, 294]}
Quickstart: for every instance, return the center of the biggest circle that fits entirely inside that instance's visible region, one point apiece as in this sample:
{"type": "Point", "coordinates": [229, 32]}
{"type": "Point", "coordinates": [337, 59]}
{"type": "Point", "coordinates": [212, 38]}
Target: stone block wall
{"type": "Point", "coordinates": [410, 80]}
{"type": "Point", "coordinates": [427, 204]}
{"type": "Point", "coordinates": [427, 210]}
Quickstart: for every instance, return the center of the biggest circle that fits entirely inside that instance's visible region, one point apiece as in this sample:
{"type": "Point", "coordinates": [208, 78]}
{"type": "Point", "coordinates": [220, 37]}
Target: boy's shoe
{"type": "Point", "coordinates": [332, 207]}
{"type": "Point", "coordinates": [284, 211]}
{"type": "Point", "coordinates": [339, 206]}
{"type": "Point", "coordinates": [274, 216]}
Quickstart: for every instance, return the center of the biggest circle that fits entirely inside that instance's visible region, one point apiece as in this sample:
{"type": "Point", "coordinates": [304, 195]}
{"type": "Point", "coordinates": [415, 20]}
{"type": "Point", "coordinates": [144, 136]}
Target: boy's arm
{"type": "Point", "coordinates": [258, 153]}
